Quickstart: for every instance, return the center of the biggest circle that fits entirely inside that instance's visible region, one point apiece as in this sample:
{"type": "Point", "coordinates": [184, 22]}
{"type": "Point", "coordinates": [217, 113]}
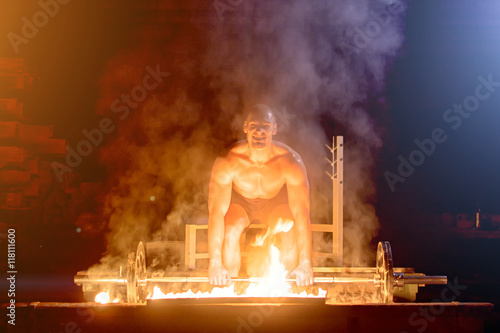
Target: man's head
{"type": "Point", "coordinates": [260, 126]}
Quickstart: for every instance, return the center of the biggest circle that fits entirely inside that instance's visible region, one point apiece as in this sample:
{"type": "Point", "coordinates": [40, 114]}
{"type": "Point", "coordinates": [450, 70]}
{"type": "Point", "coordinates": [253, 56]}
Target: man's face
{"type": "Point", "coordinates": [260, 128]}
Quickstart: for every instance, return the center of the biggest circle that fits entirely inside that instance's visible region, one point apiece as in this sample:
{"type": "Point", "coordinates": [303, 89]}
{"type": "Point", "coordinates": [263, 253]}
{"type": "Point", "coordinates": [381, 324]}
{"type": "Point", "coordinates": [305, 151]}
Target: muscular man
{"type": "Point", "coordinates": [263, 181]}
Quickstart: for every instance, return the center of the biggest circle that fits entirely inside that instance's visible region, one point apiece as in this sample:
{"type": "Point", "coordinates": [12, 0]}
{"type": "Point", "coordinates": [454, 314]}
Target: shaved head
{"type": "Point", "coordinates": [261, 112]}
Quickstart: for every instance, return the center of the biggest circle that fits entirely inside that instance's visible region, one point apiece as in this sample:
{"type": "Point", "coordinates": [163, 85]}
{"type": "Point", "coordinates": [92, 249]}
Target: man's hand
{"type": "Point", "coordinates": [218, 274]}
{"type": "Point", "coordinates": [303, 274]}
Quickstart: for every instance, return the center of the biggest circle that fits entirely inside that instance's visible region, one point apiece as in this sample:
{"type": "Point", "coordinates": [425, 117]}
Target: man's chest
{"type": "Point", "coordinates": [260, 179]}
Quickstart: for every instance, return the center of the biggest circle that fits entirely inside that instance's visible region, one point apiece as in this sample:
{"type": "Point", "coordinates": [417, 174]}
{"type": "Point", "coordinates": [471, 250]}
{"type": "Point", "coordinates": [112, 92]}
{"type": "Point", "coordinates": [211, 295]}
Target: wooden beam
{"type": "Point", "coordinates": [337, 198]}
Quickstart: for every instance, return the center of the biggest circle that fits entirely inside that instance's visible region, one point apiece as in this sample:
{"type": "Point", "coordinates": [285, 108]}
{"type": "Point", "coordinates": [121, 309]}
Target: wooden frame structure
{"type": "Point", "coordinates": [337, 177]}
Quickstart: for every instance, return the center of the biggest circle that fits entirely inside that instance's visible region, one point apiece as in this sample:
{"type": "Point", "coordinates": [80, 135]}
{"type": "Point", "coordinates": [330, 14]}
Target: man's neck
{"type": "Point", "coordinates": [260, 156]}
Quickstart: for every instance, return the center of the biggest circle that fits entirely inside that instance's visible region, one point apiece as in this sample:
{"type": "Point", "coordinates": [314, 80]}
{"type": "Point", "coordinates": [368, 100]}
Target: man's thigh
{"type": "Point", "coordinates": [279, 215]}
{"type": "Point", "coordinates": [236, 218]}
{"type": "Point", "coordinates": [279, 220]}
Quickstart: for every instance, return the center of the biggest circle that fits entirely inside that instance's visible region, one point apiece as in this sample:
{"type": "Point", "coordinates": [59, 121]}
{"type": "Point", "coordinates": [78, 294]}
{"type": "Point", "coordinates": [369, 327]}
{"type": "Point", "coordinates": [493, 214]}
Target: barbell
{"type": "Point", "coordinates": [384, 278]}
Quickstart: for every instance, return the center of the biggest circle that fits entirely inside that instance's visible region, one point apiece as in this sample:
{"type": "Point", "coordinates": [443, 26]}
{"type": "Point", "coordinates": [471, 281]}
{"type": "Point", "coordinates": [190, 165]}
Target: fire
{"type": "Point", "coordinates": [282, 225]}
{"type": "Point", "coordinates": [273, 284]}
{"type": "Point", "coordinates": [104, 298]}
{"type": "Point", "coordinates": [216, 292]}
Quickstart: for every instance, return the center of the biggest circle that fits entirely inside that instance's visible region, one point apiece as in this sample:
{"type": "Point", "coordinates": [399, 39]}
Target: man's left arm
{"type": "Point", "coordinates": [298, 200]}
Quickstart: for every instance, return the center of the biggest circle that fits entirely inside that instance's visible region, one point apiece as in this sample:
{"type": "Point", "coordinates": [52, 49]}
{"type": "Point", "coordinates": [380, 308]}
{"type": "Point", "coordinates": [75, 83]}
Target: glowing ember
{"type": "Point", "coordinates": [103, 298]}
{"type": "Point", "coordinates": [273, 284]}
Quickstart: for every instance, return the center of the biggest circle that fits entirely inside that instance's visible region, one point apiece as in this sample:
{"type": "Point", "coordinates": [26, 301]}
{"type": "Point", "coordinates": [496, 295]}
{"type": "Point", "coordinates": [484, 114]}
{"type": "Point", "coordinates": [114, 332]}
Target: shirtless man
{"type": "Point", "coordinates": [263, 181]}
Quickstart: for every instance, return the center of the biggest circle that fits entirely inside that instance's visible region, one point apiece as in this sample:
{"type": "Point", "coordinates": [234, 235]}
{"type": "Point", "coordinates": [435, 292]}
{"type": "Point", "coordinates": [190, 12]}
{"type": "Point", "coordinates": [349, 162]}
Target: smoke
{"type": "Point", "coordinates": [307, 59]}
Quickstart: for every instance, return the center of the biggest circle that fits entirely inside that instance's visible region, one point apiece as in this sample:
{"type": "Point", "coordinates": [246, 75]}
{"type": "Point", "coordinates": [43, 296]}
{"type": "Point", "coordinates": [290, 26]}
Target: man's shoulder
{"type": "Point", "coordinates": [286, 152]}
{"type": "Point", "coordinates": [291, 163]}
{"type": "Point", "coordinates": [234, 151]}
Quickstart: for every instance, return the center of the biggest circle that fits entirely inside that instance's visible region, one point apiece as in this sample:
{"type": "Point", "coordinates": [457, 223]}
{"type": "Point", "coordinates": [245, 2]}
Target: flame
{"type": "Point", "coordinates": [216, 292]}
{"type": "Point", "coordinates": [282, 225]}
{"type": "Point", "coordinates": [104, 298]}
{"type": "Point", "coordinates": [273, 284]}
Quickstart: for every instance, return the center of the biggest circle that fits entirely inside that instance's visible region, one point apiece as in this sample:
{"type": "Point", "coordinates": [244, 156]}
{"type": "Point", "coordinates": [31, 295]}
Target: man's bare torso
{"type": "Point", "coordinates": [259, 180]}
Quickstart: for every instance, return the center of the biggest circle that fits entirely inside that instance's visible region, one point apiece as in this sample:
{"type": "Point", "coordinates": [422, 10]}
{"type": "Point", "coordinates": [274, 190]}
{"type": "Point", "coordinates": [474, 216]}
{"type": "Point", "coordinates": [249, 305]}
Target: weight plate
{"type": "Point", "coordinates": [385, 272]}
{"type": "Point", "coordinates": [136, 275]}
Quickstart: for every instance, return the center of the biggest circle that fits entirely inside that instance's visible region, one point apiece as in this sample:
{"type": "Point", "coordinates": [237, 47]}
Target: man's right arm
{"type": "Point", "coordinates": [219, 199]}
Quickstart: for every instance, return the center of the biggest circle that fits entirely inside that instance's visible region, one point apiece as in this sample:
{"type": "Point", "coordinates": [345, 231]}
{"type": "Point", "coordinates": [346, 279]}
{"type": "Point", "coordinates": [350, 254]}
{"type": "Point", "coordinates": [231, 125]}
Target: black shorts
{"type": "Point", "coordinates": [258, 210]}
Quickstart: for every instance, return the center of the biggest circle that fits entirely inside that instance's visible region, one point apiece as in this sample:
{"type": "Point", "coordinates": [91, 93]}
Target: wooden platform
{"type": "Point", "coordinates": [220, 316]}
